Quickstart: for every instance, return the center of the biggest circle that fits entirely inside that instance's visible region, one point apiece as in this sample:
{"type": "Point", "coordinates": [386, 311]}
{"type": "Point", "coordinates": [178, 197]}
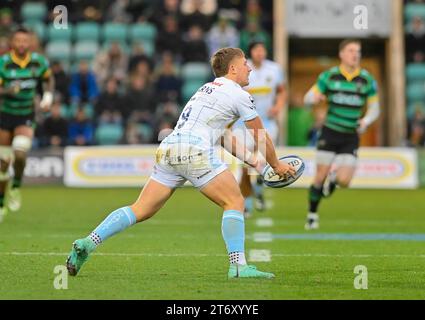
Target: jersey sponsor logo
{"type": "Point", "coordinates": [24, 84]}
{"type": "Point", "coordinates": [28, 84]}
{"type": "Point", "coordinates": [347, 99]}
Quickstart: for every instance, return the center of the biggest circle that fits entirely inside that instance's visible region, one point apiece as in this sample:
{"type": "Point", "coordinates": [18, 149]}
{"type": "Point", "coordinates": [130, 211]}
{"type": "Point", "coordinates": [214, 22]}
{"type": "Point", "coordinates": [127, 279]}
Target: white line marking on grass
{"type": "Point", "coordinates": [262, 237]}
{"type": "Point", "coordinates": [256, 255]}
{"type": "Point", "coordinates": [264, 222]}
{"type": "Point", "coordinates": [120, 254]}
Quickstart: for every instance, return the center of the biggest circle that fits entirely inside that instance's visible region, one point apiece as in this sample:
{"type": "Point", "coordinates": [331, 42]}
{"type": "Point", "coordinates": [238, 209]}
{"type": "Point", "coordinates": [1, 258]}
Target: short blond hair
{"type": "Point", "coordinates": [220, 61]}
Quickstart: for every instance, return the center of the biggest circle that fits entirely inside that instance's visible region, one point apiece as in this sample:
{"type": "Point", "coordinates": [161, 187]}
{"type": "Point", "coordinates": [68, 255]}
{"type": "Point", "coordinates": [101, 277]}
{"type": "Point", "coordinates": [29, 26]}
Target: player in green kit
{"type": "Point", "coordinates": [20, 73]}
{"type": "Point", "coordinates": [347, 89]}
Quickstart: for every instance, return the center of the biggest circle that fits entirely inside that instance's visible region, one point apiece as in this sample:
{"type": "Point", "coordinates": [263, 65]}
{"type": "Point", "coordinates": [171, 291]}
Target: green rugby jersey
{"type": "Point", "coordinates": [347, 95]}
{"type": "Point", "coordinates": [27, 72]}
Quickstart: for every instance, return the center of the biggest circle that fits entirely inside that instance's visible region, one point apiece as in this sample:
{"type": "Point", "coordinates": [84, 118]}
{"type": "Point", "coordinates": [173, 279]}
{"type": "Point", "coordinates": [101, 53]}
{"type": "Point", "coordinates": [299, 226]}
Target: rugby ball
{"type": "Point", "coordinates": [273, 180]}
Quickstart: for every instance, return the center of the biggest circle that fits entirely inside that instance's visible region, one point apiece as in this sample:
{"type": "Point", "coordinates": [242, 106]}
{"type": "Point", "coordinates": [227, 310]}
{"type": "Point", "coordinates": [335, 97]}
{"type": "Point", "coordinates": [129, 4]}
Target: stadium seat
{"type": "Point", "coordinates": [85, 31]}
{"type": "Point", "coordinates": [142, 32]}
{"type": "Point", "coordinates": [414, 9]}
{"type": "Point", "coordinates": [114, 32]}
{"type": "Point", "coordinates": [415, 71]}
{"type": "Point", "coordinates": [38, 27]}
{"type": "Point", "coordinates": [413, 107]}
{"type": "Point", "coordinates": [89, 111]}
{"type": "Point", "coordinates": [189, 89]}
{"type": "Point", "coordinates": [33, 11]}
{"type": "Point", "coordinates": [196, 71]}
{"type": "Point", "coordinates": [415, 91]}
{"type": "Point", "coordinates": [59, 50]}
{"type": "Point", "coordinates": [109, 134]}
{"type": "Point", "coordinates": [145, 131]}
{"type": "Point", "coordinates": [55, 34]}
{"type": "Point", "coordinates": [65, 111]}
{"type": "Point", "coordinates": [85, 50]}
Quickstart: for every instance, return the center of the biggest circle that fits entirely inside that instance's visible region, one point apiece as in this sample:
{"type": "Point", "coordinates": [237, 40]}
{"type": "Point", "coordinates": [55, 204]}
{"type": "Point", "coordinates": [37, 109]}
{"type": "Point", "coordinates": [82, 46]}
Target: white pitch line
{"type": "Point", "coordinates": [114, 254]}
{"type": "Point", "coordinates": [256, 255]}
{"type": "Point", "coordinates": [264, 222]}
{"type": "Point", "coordinates": [117, 254]}
{"type": "Point", "coordinates": [262, 237]}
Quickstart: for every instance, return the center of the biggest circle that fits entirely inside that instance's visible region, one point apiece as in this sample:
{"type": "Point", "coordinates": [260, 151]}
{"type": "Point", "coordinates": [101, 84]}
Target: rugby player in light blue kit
{"type": "Point", "coordinates": [188, 154]}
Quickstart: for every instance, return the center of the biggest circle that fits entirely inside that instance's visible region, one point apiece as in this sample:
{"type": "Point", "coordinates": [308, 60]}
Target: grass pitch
{"type": "Point", "coordinates": [180, 254]}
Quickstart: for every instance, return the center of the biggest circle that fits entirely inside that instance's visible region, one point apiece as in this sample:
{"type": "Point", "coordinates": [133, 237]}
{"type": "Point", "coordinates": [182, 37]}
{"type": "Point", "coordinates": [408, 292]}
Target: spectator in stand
{"type": "Point", "coordinates": [144, 70]}
{"type": "Point", "coordinates": [254, 33]}
{"type": "Point", "coordinates": [168, 83]}
{"type": "Point", "coordinates": [83, 88]}
{"type": "Point", "coordinates": [416, 128]}
{"type": "Point", "coordinates": [139, 101]}
{"type": "Point", "coordinates": [198, 12]}
{"type": "Point", "coordinates": [415, 39]}
{"type": "Point", "coordinates": [4, 45]}
{"type": "Point", "coordinates": [254, 11]}
{"type": "Point", "coordinates": [6, 23]}
{"type": "Point", "coordinates": [419, 57]}
{"type": "Point", "coordinates": [138, 55]}
{"type": "Point", "coordinates": [117, 12]}
{"type": "Point", "coordinates": [194, 46]}
{"type": "Point", "coordinates": [222, 35]}
{"type": "Point", "coordinates": [138, 133]}
{"type": "Point", "coordinates": [55, 127]}
{"type": "Point", "coordinates": [166, 116]}
{"type": "Point", "coordinates": [169, 37]}
{"type": "Point", "coordinates": [164, 9]}
{"type": "Point", "coordinates": [108, 108]}
{"type": "Point", "coordinates": [111, 63]}
{"type": "Point", "coordinates": [62, 80]}
{"type": "Point", "coordinates": [80, 130]}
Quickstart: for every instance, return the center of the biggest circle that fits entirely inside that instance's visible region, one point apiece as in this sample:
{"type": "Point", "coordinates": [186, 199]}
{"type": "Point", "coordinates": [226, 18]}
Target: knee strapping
{"type": "Point", "coordinates": [21, 143]}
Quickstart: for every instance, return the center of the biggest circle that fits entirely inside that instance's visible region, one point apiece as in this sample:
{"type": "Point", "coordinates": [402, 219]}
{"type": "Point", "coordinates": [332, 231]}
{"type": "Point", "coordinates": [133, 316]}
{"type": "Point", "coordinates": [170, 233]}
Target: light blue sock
{"type": "Point", "coordinates": [233, 230]}
{"type": "Point", "coordinates": [117, 221]}
{"type": "Point", "coordinates": [249, 204]}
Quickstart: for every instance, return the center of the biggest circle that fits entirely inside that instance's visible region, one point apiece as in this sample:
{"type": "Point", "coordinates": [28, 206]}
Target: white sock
{"type": "Point", "coordinates": [95, 238]}
{"type": "Point", "coordinates": [313, 216]}
{"type": "Point", "coordinates": [237, 258]}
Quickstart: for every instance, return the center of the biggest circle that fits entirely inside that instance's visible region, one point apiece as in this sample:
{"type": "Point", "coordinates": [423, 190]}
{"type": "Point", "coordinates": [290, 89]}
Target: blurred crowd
{"type": "Point", "coordinates": [129, 92]}
{"type": "Point", "coordinates": [415, 71]}
{"type": "Point", "coordinates": [129, 95]}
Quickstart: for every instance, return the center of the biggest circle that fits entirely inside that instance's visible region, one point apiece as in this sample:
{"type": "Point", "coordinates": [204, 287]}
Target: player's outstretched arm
{"type": "Point", "coordinates": [264, 144]}
{"type": "Point", "coordinates": [238, 150]}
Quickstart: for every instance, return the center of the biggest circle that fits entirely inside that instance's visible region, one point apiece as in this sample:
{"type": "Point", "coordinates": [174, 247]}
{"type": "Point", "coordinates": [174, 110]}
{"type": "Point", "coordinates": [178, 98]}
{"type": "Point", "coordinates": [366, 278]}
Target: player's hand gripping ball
{"type": "Point", "coordinates": [273, 180]}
